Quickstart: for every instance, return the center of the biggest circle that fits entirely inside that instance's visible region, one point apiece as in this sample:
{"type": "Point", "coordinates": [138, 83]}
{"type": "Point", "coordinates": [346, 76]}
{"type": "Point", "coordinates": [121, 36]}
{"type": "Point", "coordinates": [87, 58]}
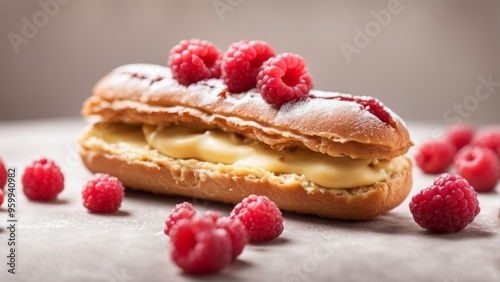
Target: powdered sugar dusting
{"type": "Point", "coordinates": [372, 105]}
{"type": "Point", "coordinates": [253, 100]}
{"type": "Point", "coordinates": [207, 91]}
{"type": "Point", "coordinates": [329, 114]}
{"type": "Point", "coordinates": [147, 70]}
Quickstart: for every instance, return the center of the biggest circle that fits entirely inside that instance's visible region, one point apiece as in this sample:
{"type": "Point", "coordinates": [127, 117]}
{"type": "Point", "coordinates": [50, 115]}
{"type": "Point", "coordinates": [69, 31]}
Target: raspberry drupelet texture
{"type": "Point", "coordinates": [42, 180]}
{"type": "Point", "coordinates": [450, 204]}
{"type": "Point", "coordinates": [199, 246]}
{"type": "Point", "coordinates": [241, 64]}
{"type": "Point", "coordinates": [181, 211]}
{"type": "Point", "coordinates": [479, 166]}
{"type": "Point", "coordinates": [435, 156]}
{"type": "Point", "coordinates": [376, 108]}
{"type": "Point", "coordinates": [214, 215]}
{"type": "Point", "coordinates": [103, 193]}
{"type": "Point", "coordinates": [237, 233]}
{"type": "Point", "coordinates": [459, 134]}
{"type": "Point", "coordinates": [261, 217]}
{"type": "Point", "coordinates": [3, 175]}
{"type": "Point", "coordinates": [488, 138]}
{"type": "Point", "coordinates": [284, 78]}
{"type": "Point", "coordinates": [194, 60]}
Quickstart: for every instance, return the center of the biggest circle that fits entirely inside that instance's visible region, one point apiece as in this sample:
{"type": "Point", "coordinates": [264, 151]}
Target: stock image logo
{"type": "Point", "coordinates": [483, 91]}
{"type": "Point", "coordinates": [31, 26]}
{"type": "Point", "coordinates": [363, 37]}
{"type": "Point", "coordinates": [221, 7]}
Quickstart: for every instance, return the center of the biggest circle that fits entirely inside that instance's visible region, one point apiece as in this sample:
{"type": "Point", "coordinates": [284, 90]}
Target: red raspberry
{"type": "Point", "coordinates": [103, 193]}
{"type": "Point", "coordinates": [241, 64]}
{"type": "Point", "coordinates": [261, 217]}
{"type": "Point", "coordinates": [237, 232]}
{"type": "Point", "coordinates": [450, 204]}
{"type": "Point", "coordinates": [42, 180]}
{"type": "Point", "coordinates": [480, 166]}
{"type": "Point", "coordinates": [1, 197]}
{"type": "Point", "coordinates": [488, 138]}
{"type": "Point", "coordinates": [434, 156]}
{"type": "Point", "coordinates": [375, 107]}
{"type": "Point", "coordinates": [199, 246]}
{"type": "Point", "coordinates": [3, 175]}
{"type": "Point", "coordinates": [372, 105]}
{"type": "Point", "coordinates": [182, 210]}
{"type": "Point", "coordinates": [194, 60]}
{"type": "Point", "coordinates": [459, 134]}
{"type": "Point", "coordinates": [284, 78]}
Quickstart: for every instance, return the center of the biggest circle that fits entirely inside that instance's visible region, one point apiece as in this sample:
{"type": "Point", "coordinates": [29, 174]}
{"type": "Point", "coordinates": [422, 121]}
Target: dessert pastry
{"type": "Point", "coordinates": [327, 154]}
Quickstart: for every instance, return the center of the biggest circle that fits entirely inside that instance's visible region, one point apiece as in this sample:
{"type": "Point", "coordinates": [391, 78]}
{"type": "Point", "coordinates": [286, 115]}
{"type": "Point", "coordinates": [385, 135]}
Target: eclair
{"type": "Point", "coordinates": [327, 154]}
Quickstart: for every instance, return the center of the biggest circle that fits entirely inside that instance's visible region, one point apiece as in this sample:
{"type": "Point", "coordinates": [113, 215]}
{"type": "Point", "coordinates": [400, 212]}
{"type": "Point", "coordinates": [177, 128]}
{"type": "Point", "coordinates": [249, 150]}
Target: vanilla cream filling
{"type": "Point", "coordinates": [227, 148]}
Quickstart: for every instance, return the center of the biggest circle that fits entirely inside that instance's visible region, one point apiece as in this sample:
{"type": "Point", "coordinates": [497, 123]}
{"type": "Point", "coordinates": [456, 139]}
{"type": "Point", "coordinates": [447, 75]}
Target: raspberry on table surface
{"type": "Point", "coordinates": [435, 156]}
{"type": "Point", "coordinates": [450, 204]}
{"type": "Point", "coordinates": [480, 166]}
{"type": "Point", "coordinates": [103, 193]}
{"type": "Point", "coordinates": [199, 246]}
{"type": "Point", "coordinates": [181, 211]}
{"type": "Point", "coordinates": [1, 197]}
{"type": "Point", "coordinates": [42, 180]}
{"type": "Point", "coordinates": [3, 175]}
{"type": "Point", "coordinates": [214, 215]}
{"type": "Point", "coordinates": [261, 216]}
{"type": "Point", "coordinates": [488, 138]}
{"type": "Point", "coordinates": [237, 232]}
{"type": "Point", "coordinates": [459, 134]}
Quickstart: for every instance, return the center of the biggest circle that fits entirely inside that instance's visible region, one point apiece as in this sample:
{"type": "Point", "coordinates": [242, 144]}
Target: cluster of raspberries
{"type": "Point", "coordinates": [245, 65]}
{"type": "Point", "coordinates": [43, 180]}
{"type": "Point", "coordinates": [475, 156]}
{"type": "Point", "coordinates": [450, 203]}
{"type": "Point", "coordinates": [206, 243]}
{"type": "Point", "coordinates": [201, 243]}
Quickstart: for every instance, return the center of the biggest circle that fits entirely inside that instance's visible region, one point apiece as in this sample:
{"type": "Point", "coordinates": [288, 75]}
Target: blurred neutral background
{"type": "Point", "coordinates": [427, 60]}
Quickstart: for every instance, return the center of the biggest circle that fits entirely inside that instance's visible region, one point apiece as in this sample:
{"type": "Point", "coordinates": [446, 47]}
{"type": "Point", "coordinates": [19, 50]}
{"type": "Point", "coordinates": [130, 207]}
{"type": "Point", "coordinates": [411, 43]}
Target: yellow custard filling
{"type": "Point", "coordinates": [221, 147]}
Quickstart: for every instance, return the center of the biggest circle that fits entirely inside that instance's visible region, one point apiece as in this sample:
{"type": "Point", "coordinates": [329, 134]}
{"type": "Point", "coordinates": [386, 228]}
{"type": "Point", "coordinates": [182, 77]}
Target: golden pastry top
{"type": "Point", "coordinates": [330, 123]}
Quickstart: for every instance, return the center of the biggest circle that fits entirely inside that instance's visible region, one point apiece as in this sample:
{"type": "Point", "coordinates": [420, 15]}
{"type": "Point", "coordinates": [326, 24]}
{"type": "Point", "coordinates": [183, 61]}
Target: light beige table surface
{"type": "Point", "coordinates": [61, 241]}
